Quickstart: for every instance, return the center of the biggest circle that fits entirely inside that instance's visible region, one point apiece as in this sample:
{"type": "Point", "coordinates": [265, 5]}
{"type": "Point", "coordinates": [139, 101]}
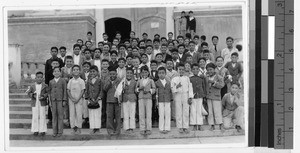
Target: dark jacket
{"type": "Point", "coordinates": [164, 92]}
{"type": "Point", "coordinates": [129, 91]}
{"type": "Point", "coordinates": [110, 89]}
{"type": "Point", "coordinates": [43, 94]}
{"type": "Point", "coordinates": [58, 90]}
{"type": "Point", "coordinates": [214, 90]}
{"type": "Point", "coordinates": [94, 91]}
{"type": "Point", "coordinates": [48, 69]}
{"type": "Point", "coordinates": [199, 86]}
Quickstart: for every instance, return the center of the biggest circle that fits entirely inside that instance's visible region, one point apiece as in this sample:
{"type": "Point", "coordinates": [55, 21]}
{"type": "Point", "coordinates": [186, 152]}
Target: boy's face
{"type": "Point", "coordinates": [54, 64]}
{"type": "Point", "coordinates": [56, 73]}
{"type": "Point", "coordinates": [210, 71]}
{"type": "Point", "coordinates": [144, 59]}
{"type": "Point", "coordinates": [93, 73]}
{"type": "Point", "coordinates": [127, 43]}
{"type": "Point", "coordinates": [54, 53]}
{"type": "Point", "coordinates": [75, 71]}
{"type": "Point", "coordinates": [163, 49]}
{"type": "Point", "coordinates": [97, 54]}
{"type": "Point", "coordinates": [234, 58]}
{"type": "Point", "coordinates": [134, 42]}
{"type": "Point", "coordinates": [196, 40]}
{"type": "Point", "coordinates": [180, 40]}
{"type": "Point", "coordinates": [206, 56]}
{"type": "Point", "coordinates": [234, 89]}
{"type": "Point", "coordinates": [186, 42]}
{"type": "Point", "coordinates": [192, 46]}
{"type": "Point", "coordinates": [170, 36]}
{"type": "Point", "coordinates": [159, 58]}
{"type": "Point", "coordinates": [149, 50]}
{"type": "Point", "coordinates": [181, 49]}
{"type": "Point", "coordinates": [135, 52]}
{"type": "Point", "coordinates": [129, 74]}
{"type": "Point", "coordinates": [219, 62]}
{"type": "Point", "coordinates": [76, 50]}
{"type": "Point", "coordinates": [181, 70]}
{"type": "Point", "coordinates": [142, 44]}
{"type": "Point", "coordinates": [88, 44]}
{"type": "Point", "coordinates": [105, 37]}
{"type": "Point", "coordinates": [145, 37]}
{"type": "Point", "coordinates": [182, 14]}
{"type": "Point", "coordinates": [63, 52]}
{"type": "Point", "coordinates": [118, 36]}
{"type": "Point", "coordinates": [100, 45]}
{"type": "Point", "coordinates": [229, 42]}
{"type": "Point", "coordinates": [170, 46]}
{"type": "Point", "coordinates": [104, 65]}
{"type": "Point", "coordinates": [149, 43]}
{"type": "Point", "coordinates": [113, 57]}
{"type": "Point", "coordinates": [113, 75]}
{"type": "Point", "coordinates": [115, 41]}
{"type": "Point", "coordinates": [161, 74]}
{"type": "Point", "coordinates": [202, 63]}
{"type": "Point", "coordinates": [175, 55]}
{"type": "Point", "coordinates": [145, 73]}
{"type": "Point", "coordinates": [187, 67]}
{"type": "Point", "coordinates": [121, 63]}
{"type": "Point", "coordinates": [129, 60]}
{"type": "Point", "coordinates": [79, 42]}
{"type": "Point", "coordinates": [189, 59]}
{"type": "Point", "coordinates": [129, 50]}
{"type": "Point", "coordinates": [87, 54]}
{"type": "Point", "coordinates": [156, 44]}
{"type": "Point", "coordinates": [122, 49]}
{"type": "Point", "coordinates": [136, 62]}
{"type": "Point", "coordinates": [204, 47]}
{"type": "Point", "coordinates": [86, 68]}
{"type": "Point", "coordinates": [89, 36]}
{"type": "Point", "coordinates": [153, 66]}
{"type": "Point", "coordinates": [39, 78]}
{"type": "Point", "coordinates": [215, 41]}
{"type": "Point", "coordinates": [69, 63]}
{"type": "Point", "coordinates": [132, 35]}
{"type": "Point", "coordinates": [164, 41]}
{"type": "Point", "coordinates": [195, 70]}
{"type": "Point", "coordinates": [141, 51]}
{"type": "Point", "coordinates": [169, 65]}
{"type": "Point", "coordinates": [105, 49]}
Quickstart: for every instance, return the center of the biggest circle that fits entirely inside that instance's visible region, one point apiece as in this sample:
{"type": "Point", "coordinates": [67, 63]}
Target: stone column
{"type": "Point", "coordinates": [15, 63]}
{"type": "Point", "coordinates": [169, 20]}
{"type": "Point", "coordinates": [100, 26]}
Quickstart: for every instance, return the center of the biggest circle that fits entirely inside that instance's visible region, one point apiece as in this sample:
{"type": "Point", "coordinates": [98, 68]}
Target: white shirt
{"type": "Point", "coordinates": [202, 71]}
{"type": "Point", "coordinates": [121, 72]}
{"type": "Point", "coordinates": [233, 64]}
{"type": "Point", "coordinates": [98, 64]}
{"type": "Point", "coordinates": [38, 88]}
{"type": "Point", "coordinates": [76, 59]}
{"type": "Point", "coordinates": [155, 51]}
{"type": "Point", "coordinates": [180, 55]}
{"type": "Point", "coordinates": [226, 54]}
{"type": "Point", "coordinates": [186, 86]}
{"type": "Point", "coordinates": [56, 79]}
{"type": "Point", "coordinates": [86, 75]}
{"type": "Point", "coordinates": [163, 82]}
{"type": "Point", "coordinates": [94, 80]}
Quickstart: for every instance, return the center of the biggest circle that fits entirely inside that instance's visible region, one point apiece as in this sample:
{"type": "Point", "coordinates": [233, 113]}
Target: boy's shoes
{"type": "Point", "coordinates": [194, 128]}
{"type": "Point", "coordinates": [222, 128]}
{"type": "Point", "coordinates": [212, 128]}
{"type": "Point", "coordinates": [238, 128]}
{"type": "Point", "coordinates": [59, 135]}
{"type": "Point", "coordinates": [35, 133]}
{"type": "Point", "coordinates": [180, 130]}
{"type": "Point", "coordinates": [43, 134]}
{"type": "Point", "coordinates": [143, 132]}
{"type": "Point", "coordinates": [148, 132]}
{"type": "Point", "coordinates": [200, 128]}
{"type": "Point", "coordinates": [54, 135]}
{"type": "Point", "coordinates": [78, 131]}
{"type": "Point", "coordinates": [163, 132]}
{"type": "Point", "coordinates": [186, 130]}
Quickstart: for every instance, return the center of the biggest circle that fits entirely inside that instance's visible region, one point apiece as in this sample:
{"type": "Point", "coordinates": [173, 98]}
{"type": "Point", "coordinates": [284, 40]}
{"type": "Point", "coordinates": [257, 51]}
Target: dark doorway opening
{"type": "Point", "coordinates": [117, 24]}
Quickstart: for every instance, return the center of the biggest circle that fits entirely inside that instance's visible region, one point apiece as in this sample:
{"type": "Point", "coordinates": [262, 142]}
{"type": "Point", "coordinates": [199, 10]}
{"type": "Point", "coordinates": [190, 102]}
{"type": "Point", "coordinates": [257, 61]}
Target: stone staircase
{"type": "Point", "coordinates": [20, 124]}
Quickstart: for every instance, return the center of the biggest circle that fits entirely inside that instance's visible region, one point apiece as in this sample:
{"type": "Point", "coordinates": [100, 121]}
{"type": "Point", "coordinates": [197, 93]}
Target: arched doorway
{"type": "Point", "coordinates": [117, 24]}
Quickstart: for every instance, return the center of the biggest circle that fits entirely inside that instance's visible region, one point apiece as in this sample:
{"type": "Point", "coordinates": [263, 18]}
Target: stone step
{"type": "Point", "coordinates": [16, 101]}
{"type": "Point", "coordinates": [18, 95]}
{"type": "Point", "coordinates": [25, 134]}
{"type": "Point", "coordinates": [20, 90]}
{"type": "Point", "coordinates": [20, 115]}
{"type": "Point", "coordinates": [20, 107]}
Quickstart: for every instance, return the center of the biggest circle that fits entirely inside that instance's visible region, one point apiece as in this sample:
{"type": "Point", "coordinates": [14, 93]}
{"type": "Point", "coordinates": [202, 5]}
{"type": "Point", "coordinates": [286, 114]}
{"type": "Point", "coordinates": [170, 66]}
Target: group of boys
{"type": "Point", "coordinates": [117, 84]}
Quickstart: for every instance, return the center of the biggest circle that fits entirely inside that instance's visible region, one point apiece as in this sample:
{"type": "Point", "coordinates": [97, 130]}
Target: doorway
{"type": "Point", "coordinates": [113, 25]}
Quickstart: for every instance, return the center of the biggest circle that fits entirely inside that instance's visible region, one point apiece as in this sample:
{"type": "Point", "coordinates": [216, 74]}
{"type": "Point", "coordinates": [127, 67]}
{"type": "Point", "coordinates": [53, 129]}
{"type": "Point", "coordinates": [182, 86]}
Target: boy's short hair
{"type": "Point", "coordinates": [210, 65]}
{"type": "Point", "coordinates": [192, 42]}
{"type": "Point", "coordinates": [54, 48]}
{"type": "Point", "coordinates": [170, 33]}
{"type": "Point", "coordinates": [39, 72]}
{"type": "Point", "coordinates": [213, 37]}
{"type": "Point", "coordinates": [239, 47]}
{"type": "Point", "coordinates": [132, 32]}
{"type": "Point", "coordinates": [188, 35]}
{"type": "Point", "coordinates": [149, 46]}
{"type": "Point", "coordinates": [142, 47]}
{"type": "Point", "coordinates": [196, 36]}
{"type": "Point", "coordinates": [180, 37]}
{"type": "Point", "coordinates": [118, 32]}
{"type": "Point", "coordinates": [144, 34]}
{"type": "Point", "coordinates": [122, 59]}
{"type": "Point", "coordinates": [188, 55]}
{"type": "Point", "coordinates": [129, 56]}
{"type": "Point", "coordinates": [144, 55]}
{"type": "Point", "coordinates": [153, 61]}
{"type": "Point", "coordinates": [87, 42]}
{"type": "Point", "coordinates": [181, 45]}
{"type": "Point", "coordinates": [94, 67]}
{"type": "Point", "coordinates": [236, 83]}
{"type": "Point", "coordinates": [121, 45]}
{"type": "Point", "coordinates": [229, 38]}
{"type": "Point", "coordinates": [148, 40]}
{"type": "Point", "coordinates": [79, 40]}
{"type": "Point", "coordinates": [97, 49]}
{"type": "Point", "coordinates": [87, 63]}
{"type": "Point", "coordinates": [174, 41]}
{"type": "Point", "coordinates": [201, 58]}
{"type": "Point", "coordinates": [174, 50]}
{"type": "Point", "coordinates": [169, 60]}
{"type": "Point", "coordinates": [203, 37]}
{"type": "Point", "coordinates": [161, 69]}
{"type": "Point", "coordinates": [89, 33]}
{"type": "Point", "coordinates": [85, 50]}
{"type": "Point", "coordinates": [126, 40]}
{"type": "Point", "coordinates": [164, 45]}
{"type": "Point", "coordinates": [100, 42]}
{"type": "Point", "coordinates": [191, 12]}
{"type": "Point", "coordinates": [163, 38]}
{"type": "Point", "coordinates": [204, 44]}
{"type": "Point", "coordinates": [106, 44]}
{"type": "Point", "coordinates": [180, 65]}
{"type": "Point", "coordinates": [157, 35]}
{"type": "Point", "coordinates": [55, 60]}
{"type": "Point", "coordinates": [112, 68]}
{"type": "Point", "coordinates": [182, 12]}
{"type": "Point", "coordinates": [76, 66]}
{"type": "Point", "coordinates": [205, 51]}
{"type": "Point", "coordinates": [69, 57]}
{"type": "Point", "coordinates": [130, 69]}
{"type": "Point", "coordinates": [158, 54]}
{"type": "Point", "coordinates": [105, 60]}
{"type": "Point", "coordinates": [235, 54]}
{"type": "Point", "coordinates": [62, 47]}
{"type": "Point", "coordinates": [113, 52]}
{"type": "Point", "coordinates": [195, 64]}
{"type": "Point", "coordinates": [57, 67]}
{"type": "Point", "coordinates": [156, 40]}
{"type": "Point", "coordinates": [104, 34]}
{"type": "Point", "coordinates": [76, 45]}
{"type": "Point", "coordinates": [219, 57]}
{"type": "Point", "coordinates": [144, 68]}
{"type": "Point", "coordinates": [134, 39]}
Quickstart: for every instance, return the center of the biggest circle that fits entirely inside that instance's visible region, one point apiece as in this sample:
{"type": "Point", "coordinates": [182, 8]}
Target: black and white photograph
{"type": "Point", "coordinates": [120, 75]}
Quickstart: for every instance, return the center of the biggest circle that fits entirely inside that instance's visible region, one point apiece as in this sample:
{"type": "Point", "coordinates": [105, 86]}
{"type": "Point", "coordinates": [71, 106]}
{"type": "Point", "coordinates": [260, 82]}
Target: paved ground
{"type": "Point", "coordinates": [207, 140]}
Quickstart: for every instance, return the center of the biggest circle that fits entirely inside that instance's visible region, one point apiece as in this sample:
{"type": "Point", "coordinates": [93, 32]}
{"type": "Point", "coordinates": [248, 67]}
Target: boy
{"type": "Point", "coordinates": [85, 75]}
{"type": "Point", "coordinates": [207, 56]}
{"type": "Point", "coordinates": [153, 73]}
{"type": "Point", "coordinates": [146, 88]}
{"type": "Point", "coordinates": [48, 67]}
{"type": "Point", "coordinates": [129, 61]}
{"type": "Point", "coordinates": [175, 58]}
{"type": "Point", "coordinates": [128, 98]}
{"type": "Point", "coordinates": [63, 52]}
{"type": "Point", "coordinates": [182, 24]}
{"type": "Point", "coordinates": [171, 73]}
{"type": "Point", "coordinates": [181, 52]}
{"type": "Point", "coordinates": [156, 49]}
{"type": "Point", "coordinates": [231, 111]}
{"type": "Point", "coordinates": [113, 107]}
{"type": "Point", "coordinates": [38, 94]}
{"type": "Point", "coordinates": [97, 59]}
{"type": "Point", "coordinates": [189, 59]}
{"type": "Point", "coordinates": [226, 52]}
{"type": "Point", "coordinates": [76, 87]}
{"type": "Point", "coordinates": [183, 93]}
{"type": "Point", "coordinates": [214, 49]}
{"type": "Point", "coordinates": [163, 101]}
{"type": "Point", "coordinates": [105, 39]}
{"type": "Point", "coordinates": [170, 37]}
{"type": "Point", "coordinates": [149, 52]}
{"type": "Point", "coordinates": [58, 98]}
{"type": "Point", "coordinates": [234, 68]}
{"type": "Point", "coordinates": [105, 53]}
{"type": "Point", "coordinates": [77, 58]}
{"type": "Point", "coordinates": [136, 68]}
{"type": "Point", "coordinates": [202, 69]}
{"type": "Point", "coordinates": [142, 49]}
{"type": "Point", "coordinates": [222, 71]}
{"type": "Point", "coordinates": [214, 85]}
{"type": "Point", "coordinates": [122, 51]}
{"type": "Point", "coordinates": [88, 56]}
{"type": "Point", "coordinates": [199, 90]}
{"type": "Point", "coordinates": [67, 69]}
{"type": "Point", "coordinates": [135, 52]}
{"type": "Point", "coordinates": [113, 59]}
{"type": "Point", "coordinates": [121, 70]}
{"type": "Point", "coordinates": [144, 59]}
{"type": "Point", "coordinates": [192, 51]}
{"type": "Point", "coordinates": [159, 59]}
{"type": "Point", "coordinates": [164, 54]}
{"type": "Point", "coordinates": [93, 96]}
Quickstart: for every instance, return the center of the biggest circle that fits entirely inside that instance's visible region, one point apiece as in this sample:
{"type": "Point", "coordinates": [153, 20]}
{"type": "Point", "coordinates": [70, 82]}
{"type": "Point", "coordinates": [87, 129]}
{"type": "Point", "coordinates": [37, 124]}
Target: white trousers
{"type": "Point", "coordinates": [95, 117]}
{"type": "Point", "coordinates": [164, 110]}
{"type": "Point", "coordinates": [75, 113]}
{"type": "Point", "coordinates": [182, 110]}
{"type": "Point", "coordinates": [38, 123]}
{"type": "Point", "coordinates": [196, 117]}
{"type": "Point", "coordinates": [85, 110]}
{"type": "Point", "coordinates": [214, 112]}
{"type": "Point", "coordinates": [145, 114]}
{"type": "Point", "coordinates": [129, 115]}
